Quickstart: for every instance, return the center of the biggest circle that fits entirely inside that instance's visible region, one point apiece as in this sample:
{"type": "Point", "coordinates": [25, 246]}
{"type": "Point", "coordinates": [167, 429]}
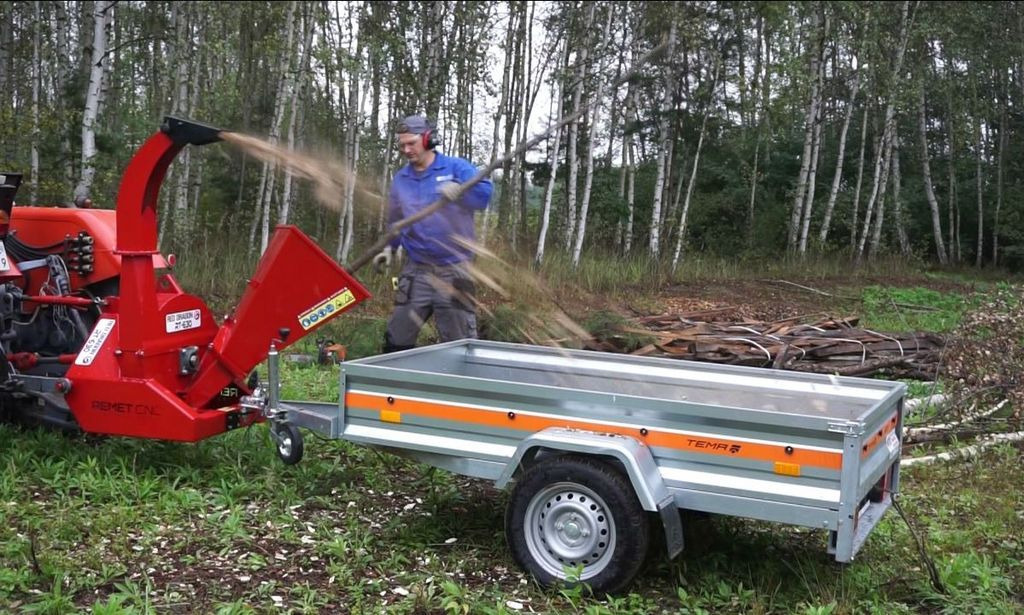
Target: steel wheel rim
{"type": "Point", "coordinates": [567, 524]}
{"type": "Point", "coordinates": [284, 445]}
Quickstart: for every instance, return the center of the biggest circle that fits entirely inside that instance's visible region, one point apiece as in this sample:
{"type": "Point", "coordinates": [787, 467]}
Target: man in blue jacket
{"type": "Point", "coordinates": [434, 281]}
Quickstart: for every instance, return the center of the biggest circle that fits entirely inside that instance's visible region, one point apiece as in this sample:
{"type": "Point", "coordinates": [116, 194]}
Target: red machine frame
{"type": "Point", "coordinates": [156, 365]}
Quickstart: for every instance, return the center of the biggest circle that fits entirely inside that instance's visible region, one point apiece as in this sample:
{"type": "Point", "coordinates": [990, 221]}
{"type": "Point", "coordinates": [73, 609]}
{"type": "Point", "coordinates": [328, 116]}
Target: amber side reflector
{"type": "Point", "coordinates": [787, 469]}
{"type": "Point", "coordinates": [390, 416]}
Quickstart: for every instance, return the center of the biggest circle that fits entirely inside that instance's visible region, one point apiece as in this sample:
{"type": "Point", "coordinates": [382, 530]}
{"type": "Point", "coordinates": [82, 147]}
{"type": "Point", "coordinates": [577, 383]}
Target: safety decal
{"type": "Point", "coordinates": [326, 309]}
{"type": "Point", "coordinates": [182, 321]}
{"type": "Point", "coordinates": [92, 345]}
{"type": "Point", "coordinates": [892, 442]}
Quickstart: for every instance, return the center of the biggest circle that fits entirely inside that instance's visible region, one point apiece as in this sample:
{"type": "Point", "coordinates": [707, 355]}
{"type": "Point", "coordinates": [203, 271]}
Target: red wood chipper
{"type": "Point", "coordinates": [97, 335]}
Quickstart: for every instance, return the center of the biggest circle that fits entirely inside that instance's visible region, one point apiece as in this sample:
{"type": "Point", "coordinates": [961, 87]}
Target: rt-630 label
{"type": "Point", "coordinates": [95, 341]}
{"type": "Point", "coordinates": [182, 321]}
{"type": "Point", "coordinates": [326, 309]}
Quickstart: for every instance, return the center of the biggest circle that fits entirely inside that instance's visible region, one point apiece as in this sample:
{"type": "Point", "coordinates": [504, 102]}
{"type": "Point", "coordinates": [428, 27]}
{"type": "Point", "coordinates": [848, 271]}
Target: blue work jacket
{"type": "Point", "coordinates": [430, 240]}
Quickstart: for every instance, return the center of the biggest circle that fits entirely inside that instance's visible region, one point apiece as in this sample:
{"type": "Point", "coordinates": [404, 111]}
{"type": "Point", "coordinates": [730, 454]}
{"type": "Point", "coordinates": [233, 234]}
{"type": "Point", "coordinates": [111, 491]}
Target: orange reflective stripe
{"type": "Point", "coordinates": [692, 443]}
{"type": "Point", "coordinates": [878, 437]}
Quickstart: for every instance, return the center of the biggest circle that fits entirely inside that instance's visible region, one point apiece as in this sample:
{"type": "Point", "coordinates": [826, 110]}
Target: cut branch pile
{"type": "Point", "coordinates": [829, 345]}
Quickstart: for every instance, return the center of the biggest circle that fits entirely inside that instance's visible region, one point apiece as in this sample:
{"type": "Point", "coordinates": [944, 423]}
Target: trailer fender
{"type": "Point", "coordinates": [635, 457]}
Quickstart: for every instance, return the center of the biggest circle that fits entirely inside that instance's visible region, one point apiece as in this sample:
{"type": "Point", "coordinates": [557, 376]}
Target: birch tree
{"type": "Point", "coordinates": [810, 124]}
{"type": "Point", "coordinates": [837, 178]}
{"type": "Point", "coordinates": [926, 175]}
{"type": "Point", "coordinates": [654, 245]}
{"type": "Point", "coordinates": [574, 127]}
{"type": "Point", "coordinates": [103, 14]}
{"type": "Point", "coordinates": [546, 212]}
{"type": "Point", "coordinates": [696, 161]}
{"type": "Point", "coordinates": [36, 78]}
{"type": "Point", "coordinates": [268, 175]}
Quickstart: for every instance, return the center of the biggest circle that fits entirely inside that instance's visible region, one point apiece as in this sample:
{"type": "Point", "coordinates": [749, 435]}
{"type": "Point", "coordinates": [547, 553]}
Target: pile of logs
{"type": "Point", "coordinates": [828, 345]}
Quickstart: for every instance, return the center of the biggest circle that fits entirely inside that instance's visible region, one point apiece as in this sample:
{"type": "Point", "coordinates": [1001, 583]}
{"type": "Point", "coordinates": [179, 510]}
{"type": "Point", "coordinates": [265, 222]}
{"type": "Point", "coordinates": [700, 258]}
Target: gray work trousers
{"type": "Point", "coordinates": [445, 292]}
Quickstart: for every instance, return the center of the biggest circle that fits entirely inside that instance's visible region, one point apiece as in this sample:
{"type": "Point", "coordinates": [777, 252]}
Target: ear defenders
{"type": "Point", "coordinates": [418, 123]}
{"type": "Point", "coordinates": [429, 139]}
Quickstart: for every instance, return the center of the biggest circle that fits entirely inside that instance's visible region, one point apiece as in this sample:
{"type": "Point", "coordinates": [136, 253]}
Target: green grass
{"type": "Point", "coordinates": [913, 309]}
{"type": "Point", "coordinates": [112, 525]}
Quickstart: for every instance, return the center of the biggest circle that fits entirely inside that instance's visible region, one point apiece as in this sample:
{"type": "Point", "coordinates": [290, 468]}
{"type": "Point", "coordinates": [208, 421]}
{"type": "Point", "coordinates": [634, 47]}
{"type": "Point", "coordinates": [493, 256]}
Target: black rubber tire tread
{"type": "Point", "coordinates": [292, 432]}
{"type": "Point", "coordinates": [632, 524]}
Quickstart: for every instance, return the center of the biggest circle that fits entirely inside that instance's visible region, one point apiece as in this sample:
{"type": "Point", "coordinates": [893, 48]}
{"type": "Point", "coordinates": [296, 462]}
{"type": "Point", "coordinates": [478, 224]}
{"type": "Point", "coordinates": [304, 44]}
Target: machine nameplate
{"type": "Point", "coordinates": [183, 321]}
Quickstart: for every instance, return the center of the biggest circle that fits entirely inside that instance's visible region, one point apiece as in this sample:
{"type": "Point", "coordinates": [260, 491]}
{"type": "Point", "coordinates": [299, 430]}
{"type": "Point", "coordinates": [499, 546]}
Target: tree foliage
{"type": "Point", "coordinates": [771, 83]}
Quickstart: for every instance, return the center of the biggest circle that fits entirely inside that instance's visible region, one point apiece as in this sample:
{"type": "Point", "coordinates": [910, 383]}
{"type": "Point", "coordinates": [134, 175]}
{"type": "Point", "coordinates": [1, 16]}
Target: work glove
{"type": "Point", "coordinates": [450, 191]}
{"type": "Point", "coordinates": [383, 260]}
{"type": "Point", "coordinates": [386, 257]}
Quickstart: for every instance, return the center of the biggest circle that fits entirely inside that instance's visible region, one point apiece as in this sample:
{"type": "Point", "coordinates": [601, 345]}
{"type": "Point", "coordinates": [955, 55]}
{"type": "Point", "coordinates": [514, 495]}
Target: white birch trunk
{"type": "Point", "coordinates": [496, 135]}
{"type": "Point", "coordinates": [550, 189]}
{"type": "Point", "coordinates": [546, 215]}
{"type": "Point", "coordinates": [587, 183]}
{"type": "Point", "coordinates": [753, 191]}
{"type": "Point", "coordinates": [693, 178]}
{"type": "Point", "coordinates": [860, 178]}
{"type": "Point", "coordinates": [1003, 137]}
{"type": "Point", "coordinates": [897, 203]}
{"type": "Point", "coordinates": [630, 195]}
{"type": "Point", "coordinates": [888, 131]}
{"type": "Point", "coordinates": [812, 176]}
{"type": "Point", "coordinates": [880, 148]}
{"type": "Point", "coordinates": [348, 240]}
{"type": "Point", "coordinates": [269, 175]}
{"type": "Point", "coordinates": [838, 177]}
{"type": "Point", "coordinates": [805, 160]}
{"type": "Point", "coordinates": [876, 235]}
{"type": "Point", "coordinates": [102, 14]}
{"type": "Point", "coordinates": [981, 203]}
{"type": "Point", "coordinates": [296, 111]}
{"type": "Point", "coordinates": [926, 171]}
{"type": "Point", "coordinates": [659, 183]}
{"type": "Point", "coordinates": [36, 70]}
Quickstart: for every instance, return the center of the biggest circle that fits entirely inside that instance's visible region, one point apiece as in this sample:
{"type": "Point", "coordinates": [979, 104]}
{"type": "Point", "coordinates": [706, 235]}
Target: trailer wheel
{"type": "Point", "coordinates": [289, 443]}
{"type": "Point", "coordinates": [575, 511]}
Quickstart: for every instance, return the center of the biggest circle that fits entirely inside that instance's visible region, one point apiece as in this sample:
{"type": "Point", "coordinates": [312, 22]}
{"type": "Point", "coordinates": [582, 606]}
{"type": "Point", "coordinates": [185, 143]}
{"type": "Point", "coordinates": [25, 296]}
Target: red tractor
{"type": "Point", "coordinates": [97, 335]}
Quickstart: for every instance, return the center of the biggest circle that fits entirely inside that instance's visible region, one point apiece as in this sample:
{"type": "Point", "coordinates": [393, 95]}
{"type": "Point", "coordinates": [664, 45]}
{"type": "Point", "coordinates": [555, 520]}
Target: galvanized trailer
{"type": "Point", "coordinates": [598, 444]}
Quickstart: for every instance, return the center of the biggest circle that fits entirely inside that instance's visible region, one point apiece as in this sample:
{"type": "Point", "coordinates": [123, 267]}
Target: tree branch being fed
{"type": "Point", "coordinates": [497, 162]}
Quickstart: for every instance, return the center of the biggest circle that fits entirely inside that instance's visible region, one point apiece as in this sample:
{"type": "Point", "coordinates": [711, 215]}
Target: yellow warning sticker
{"type": "Point", "coordinates": [326, 309]}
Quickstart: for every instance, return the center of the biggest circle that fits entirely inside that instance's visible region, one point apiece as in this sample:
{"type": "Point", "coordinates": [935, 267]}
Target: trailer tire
{"type": "Point", "coordinates": [571, 510]}
{"type": "Point", "coordinates": [288, 443]}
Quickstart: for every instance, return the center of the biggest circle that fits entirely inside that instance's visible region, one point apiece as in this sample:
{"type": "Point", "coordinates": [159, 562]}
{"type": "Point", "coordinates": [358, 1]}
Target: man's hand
{"type": "Point", "coordinates": [383, 260]}
{"type": "Point", "coordinates": [450, 191]}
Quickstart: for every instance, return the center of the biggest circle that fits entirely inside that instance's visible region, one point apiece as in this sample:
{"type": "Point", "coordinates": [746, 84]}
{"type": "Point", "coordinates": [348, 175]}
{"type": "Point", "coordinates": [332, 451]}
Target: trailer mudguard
{"type": "Point", "coordinates": [634, 456]}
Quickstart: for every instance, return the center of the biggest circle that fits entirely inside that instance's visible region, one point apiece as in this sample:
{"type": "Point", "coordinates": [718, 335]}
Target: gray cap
{"type": "Point", "coordinates": [414, 124]}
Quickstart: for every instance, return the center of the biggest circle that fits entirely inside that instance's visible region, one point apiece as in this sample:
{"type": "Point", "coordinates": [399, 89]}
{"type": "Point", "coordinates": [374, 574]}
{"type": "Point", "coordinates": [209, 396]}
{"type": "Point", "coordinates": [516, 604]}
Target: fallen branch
{"type": "Point", "coordinates": [813, 290]}
{"type": "Point", "coordinates": [919, 403]}
{"type": "Point", "coordinates": [915, 432]}
{"type": "Point", "coordinates": [909, 306]}
{"type": "Point", "coordinates": [966, 452]}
